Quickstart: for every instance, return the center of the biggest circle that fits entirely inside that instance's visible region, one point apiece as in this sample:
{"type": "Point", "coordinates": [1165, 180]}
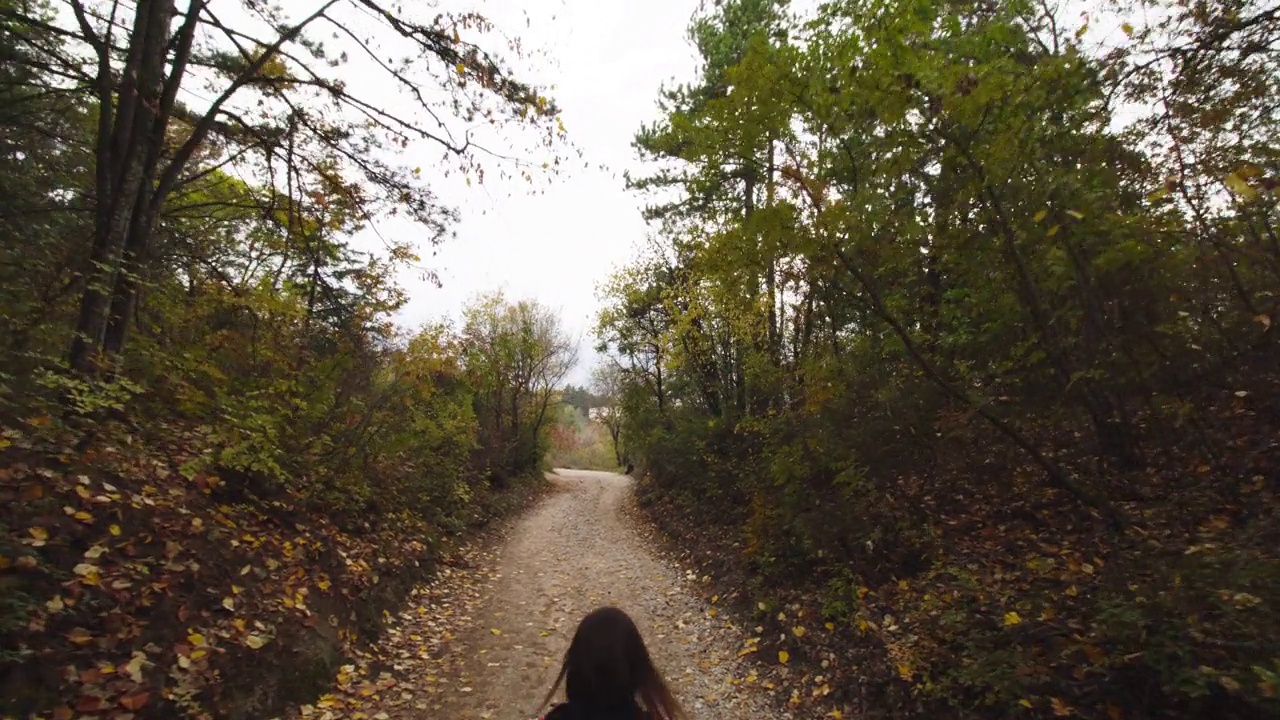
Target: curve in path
{"type": "Point", "coordinates": [510, 618]}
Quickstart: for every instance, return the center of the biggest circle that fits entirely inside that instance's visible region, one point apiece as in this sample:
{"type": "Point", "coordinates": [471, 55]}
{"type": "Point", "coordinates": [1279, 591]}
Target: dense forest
{"type": "Point", "coordinates": [956, 328]}
{"type": "Point", "coordinates": [213, 432]}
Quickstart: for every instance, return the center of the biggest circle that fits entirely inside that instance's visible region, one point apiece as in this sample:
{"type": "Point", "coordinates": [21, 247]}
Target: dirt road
{"type": "Point", "coordinates": [485, 642]}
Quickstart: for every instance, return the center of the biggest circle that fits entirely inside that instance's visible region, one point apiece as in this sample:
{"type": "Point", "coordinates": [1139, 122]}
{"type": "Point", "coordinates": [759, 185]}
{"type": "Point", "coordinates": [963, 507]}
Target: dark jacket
{"type": "Point", "coordinates": [572, 711]}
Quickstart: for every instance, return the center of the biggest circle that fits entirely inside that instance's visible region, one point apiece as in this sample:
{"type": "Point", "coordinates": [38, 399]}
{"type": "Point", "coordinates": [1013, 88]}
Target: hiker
{"type": "Point", "coordinates": [607, 674]}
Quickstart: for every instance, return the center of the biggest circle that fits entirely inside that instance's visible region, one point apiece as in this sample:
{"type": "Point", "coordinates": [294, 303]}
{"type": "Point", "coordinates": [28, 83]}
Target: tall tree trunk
{"type": "Point", "coordinates": [132, 152]}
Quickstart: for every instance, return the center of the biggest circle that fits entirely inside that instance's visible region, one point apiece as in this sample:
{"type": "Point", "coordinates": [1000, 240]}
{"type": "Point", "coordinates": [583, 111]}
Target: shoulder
{"type": "Point", "coordinates": [555, 713]}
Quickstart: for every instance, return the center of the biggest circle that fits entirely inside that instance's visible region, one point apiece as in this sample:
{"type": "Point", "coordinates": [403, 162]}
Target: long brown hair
{"type": "Point", "coordinates": [608, 666]}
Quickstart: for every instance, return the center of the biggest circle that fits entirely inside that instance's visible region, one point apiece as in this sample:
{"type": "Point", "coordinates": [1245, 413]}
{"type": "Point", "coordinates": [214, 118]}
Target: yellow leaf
{"type": "Point", "coordinates": [1076, 214]}
{"type": "Point", "coordinates": [38, 533]}
{"type": "Point", "coordinates": [1127, 28]}
{"type": "Point", "coordinates": [196, 639]}
{"type": "Point", "coordinates": [831, 626]}
{"type": "Point", "coordinates": [712, 612]}
{"type": "Point", "coordinates": [495, 631]}
{"type": "Point", "coordinates": [1239, 186]}
{"type": "Point", "coordinates": [255, 641]}
{"type": "Point", "coordinates": [1025, 703]}
{"type": "Point", "coordinates": [784, 657]}
{"type": "Point", "coordinates": [1053, 231]}
{"type": "Point", "coordinates": [83, 492]}
{"type": "Point", "coordinates": [88, 573]}
{"type": "Point", "coordinates": [798, 631]}
{"type": "Point", "coordinates": [1012, 618]}
{"type": "Point", "coordinates": [228, 603]}
{"type": "Point", "coordinates": [1072, 591]}
{"type": "Point", "coordinates": [114, 530]}
{"type": "Point", "coordinates": [905, 671]}
{"type": "Point", "coordinates": [461, 68]}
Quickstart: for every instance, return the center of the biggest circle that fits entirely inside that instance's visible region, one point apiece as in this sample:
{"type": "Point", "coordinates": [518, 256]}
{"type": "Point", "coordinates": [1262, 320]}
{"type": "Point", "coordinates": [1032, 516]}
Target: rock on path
{"type": "Point", "coordinates": [485, 642]}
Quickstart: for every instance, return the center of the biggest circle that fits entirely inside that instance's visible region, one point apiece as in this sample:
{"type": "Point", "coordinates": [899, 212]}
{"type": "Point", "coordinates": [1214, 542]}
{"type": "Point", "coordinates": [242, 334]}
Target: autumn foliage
{"type": "Point", "coordinates": [956, 329]}
{"type": "Point", "coordinates": [221, 461]}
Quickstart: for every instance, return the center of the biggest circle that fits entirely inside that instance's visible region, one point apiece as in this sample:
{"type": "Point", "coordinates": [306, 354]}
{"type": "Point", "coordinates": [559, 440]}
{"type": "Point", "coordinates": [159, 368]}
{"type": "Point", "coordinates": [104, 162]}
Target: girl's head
{"type": "Point", "coordinates": [607, 667]}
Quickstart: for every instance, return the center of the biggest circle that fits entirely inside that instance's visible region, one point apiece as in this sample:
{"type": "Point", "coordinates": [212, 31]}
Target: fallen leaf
{"type": "Point", "coordinates": [135, 666]}
{"type": "Point", "coordinates": [135, 701]}
{"type": "Point", "coordinates": [255, 641]}
{"type": "Point", "coordinates": [784, 657]}
{"type": "Point", "coordinates": [1012, 618]}
{"type": "Point", "coordinates": [88, 572]}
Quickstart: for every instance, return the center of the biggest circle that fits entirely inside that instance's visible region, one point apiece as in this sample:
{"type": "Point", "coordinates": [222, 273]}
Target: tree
{"type": "Point", "coordinates": [516, 354]}
{"type": "Point", "coordinates": [275, 108]}
{"type": "Point", "coordinates": [606, 383]}
{"type": "Point", "coordinates": [909, 256]}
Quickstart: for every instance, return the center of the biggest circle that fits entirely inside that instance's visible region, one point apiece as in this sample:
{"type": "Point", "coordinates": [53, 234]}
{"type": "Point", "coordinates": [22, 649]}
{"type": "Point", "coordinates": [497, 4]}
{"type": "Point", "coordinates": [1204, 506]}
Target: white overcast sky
{"type": "Point", "coordinates": [607, 60]}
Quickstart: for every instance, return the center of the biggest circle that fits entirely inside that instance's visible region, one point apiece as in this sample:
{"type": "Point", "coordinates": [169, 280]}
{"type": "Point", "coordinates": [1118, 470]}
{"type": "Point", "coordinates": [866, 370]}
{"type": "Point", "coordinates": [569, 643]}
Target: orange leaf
{"type": "Point", "coordinates": [135, 701]}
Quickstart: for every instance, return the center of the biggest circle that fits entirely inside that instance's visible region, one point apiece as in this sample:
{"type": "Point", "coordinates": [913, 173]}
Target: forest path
{"type": "Point", "coordinates": [485, 641]}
